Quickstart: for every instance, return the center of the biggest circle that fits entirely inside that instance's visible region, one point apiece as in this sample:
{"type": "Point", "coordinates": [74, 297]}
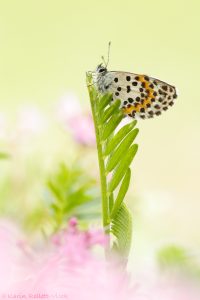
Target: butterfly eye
{"type": "Point", "coordinates": [101, 69]}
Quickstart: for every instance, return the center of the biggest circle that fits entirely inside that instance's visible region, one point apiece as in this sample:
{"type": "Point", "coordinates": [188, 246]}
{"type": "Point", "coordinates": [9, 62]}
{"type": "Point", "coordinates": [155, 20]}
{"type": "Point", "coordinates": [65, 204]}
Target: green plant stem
{"type": "Point", "coordinates": [105, 204]}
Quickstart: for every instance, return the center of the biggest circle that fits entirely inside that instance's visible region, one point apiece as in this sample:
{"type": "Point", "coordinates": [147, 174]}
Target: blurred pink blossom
{"type": "Point", "coordinates": [78, 122]}
{"type": "Point", "coordinates": [82, 128]}
{"type": "Point", "coordinates": [30, 120]}
{"type": "Point", "coordinates": [68, 106]}
{"type": "Point", "coordinates": [67, 268]}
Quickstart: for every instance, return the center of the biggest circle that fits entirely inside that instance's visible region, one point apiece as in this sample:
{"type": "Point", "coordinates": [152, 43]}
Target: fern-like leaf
{"type": "Point", "coordinates": [105, 100]}
{"type": "Point", "coordinates": [110, 111]}
{"type": "Point", "coordinates": [119, 136]}
{"type": "Point", "coordinates": [121, 149]}
{"type": "Point", "coordinates": [122, 193]}
{"type": "Point", "coordinates": [122, 168]}
{"type": "Point", "coordinates": [116, 151]}
{"type": "Point", "coordinates": [112, 125]}
{"type": "Point", "coordinates": [122, 229]}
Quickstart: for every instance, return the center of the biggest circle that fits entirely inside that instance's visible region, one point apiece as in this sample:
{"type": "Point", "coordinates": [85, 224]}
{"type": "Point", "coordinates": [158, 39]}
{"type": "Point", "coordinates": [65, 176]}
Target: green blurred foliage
{"type": "Point", "coordinates": [71, 192]}
{"type": "Point", "coordinates": [4, 155]}
{"type": "Point", "coordinates": [178, 259]}
{"type": "Point", "coordinates": [172, 256]}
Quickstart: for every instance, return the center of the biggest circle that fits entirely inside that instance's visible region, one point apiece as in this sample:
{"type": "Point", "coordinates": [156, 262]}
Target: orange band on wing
{"type": "Point", "coordinates": [137, 106]}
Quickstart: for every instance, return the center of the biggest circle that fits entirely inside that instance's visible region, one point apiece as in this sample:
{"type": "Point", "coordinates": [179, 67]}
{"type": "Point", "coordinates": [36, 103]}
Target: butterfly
{"type": "Point", "coordinates": [141, 96]}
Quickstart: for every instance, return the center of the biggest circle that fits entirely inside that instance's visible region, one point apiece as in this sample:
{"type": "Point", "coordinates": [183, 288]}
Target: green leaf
{"type": "Point", "coordinates": [92, 91]}
{"type": "Point", "coordinates": [68, 190]}
{"type": "Point", "coordinates": [122, 228]}
{"type": "Point", "coordinates": [122, 193]}
{"type": "Point", "coordinates": [111, 125]}
{"type": "Point", "coordinates": [119, 137]}
{"type": "Point", "coordinates": [123, 147]}
{"type": "Point", "coordinates": [95, 95]}
{"type": "Point", "coordinates": [111, 202]}
{"type": "Point", "coordinates": [122, 168]}
{"type": "Point", "coordinates": [104, 101]}
{"type": "Point", "coordinates": [89, 210]}
{"type": "Point", "coordinates": [89, 78]}
{"type": "Point", "coordinates": [110, 111]}
{"type": "Point", "coordinates": [55, 207]}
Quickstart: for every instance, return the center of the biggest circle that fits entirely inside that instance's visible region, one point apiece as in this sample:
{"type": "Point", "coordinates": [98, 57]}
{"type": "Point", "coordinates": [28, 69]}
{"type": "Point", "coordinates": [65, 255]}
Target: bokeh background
{"type": "Point", "coordinates": [45, 49]}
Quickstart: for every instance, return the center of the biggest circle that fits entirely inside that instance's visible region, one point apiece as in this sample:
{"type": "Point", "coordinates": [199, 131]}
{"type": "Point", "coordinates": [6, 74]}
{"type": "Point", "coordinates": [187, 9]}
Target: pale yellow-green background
{"type": "Point", "coordinates": [47, 46]}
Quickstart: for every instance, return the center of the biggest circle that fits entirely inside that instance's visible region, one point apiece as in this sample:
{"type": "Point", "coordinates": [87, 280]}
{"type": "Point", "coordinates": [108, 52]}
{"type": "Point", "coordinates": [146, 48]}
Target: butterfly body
{"type": "Point", "coordinates": [141, 96]}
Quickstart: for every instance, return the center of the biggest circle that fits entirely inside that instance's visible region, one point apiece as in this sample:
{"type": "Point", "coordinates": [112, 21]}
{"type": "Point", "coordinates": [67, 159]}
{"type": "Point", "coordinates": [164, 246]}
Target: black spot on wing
{"type": "Point", "coordinates": [128, 89]}
{"type": "Point", "coordinates": [134, 83]}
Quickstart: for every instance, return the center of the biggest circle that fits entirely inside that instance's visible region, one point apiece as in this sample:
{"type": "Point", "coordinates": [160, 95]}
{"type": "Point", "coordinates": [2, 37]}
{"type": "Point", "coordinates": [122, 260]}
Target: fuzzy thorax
{"type": "Point", "coordinates": [104, 79]}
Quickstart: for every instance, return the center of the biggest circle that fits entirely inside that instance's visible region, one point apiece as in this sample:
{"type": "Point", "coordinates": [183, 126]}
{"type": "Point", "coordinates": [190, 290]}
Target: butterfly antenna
{"type": "Point", "coordinates": [103, 60]}
{"type": "Point", "coordinates": [108, 57]}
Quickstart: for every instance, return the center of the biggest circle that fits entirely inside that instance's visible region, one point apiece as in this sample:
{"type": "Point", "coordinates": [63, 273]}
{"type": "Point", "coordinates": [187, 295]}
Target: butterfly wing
{"type": "Point", "coordinates": [142, 96]}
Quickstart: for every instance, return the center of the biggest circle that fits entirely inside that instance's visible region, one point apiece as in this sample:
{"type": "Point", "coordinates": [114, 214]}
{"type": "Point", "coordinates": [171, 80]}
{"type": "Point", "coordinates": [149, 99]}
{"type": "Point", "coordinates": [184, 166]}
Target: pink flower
{"type": "Point", "coordinates": [79, 123]}
{"type": "Point", "coordinates": [82, 129]}
{"type": "Point", "coordinates": [67, 268]}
